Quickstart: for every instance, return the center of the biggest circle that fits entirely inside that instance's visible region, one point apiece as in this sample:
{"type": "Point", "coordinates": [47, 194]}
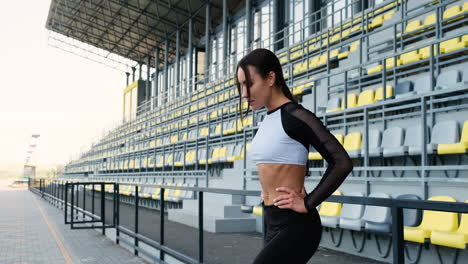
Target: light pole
{"type": "Point", "coordinates": [29, 169]}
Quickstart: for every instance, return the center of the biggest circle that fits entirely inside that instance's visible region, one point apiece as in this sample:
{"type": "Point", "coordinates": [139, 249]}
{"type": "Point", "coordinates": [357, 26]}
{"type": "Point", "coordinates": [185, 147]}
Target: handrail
{"type": "Point", "coordinates": [396, 205]}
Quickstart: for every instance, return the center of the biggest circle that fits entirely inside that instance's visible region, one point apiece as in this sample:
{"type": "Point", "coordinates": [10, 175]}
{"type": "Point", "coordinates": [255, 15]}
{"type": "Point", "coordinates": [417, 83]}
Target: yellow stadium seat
{"type": "Point", "coordinates": [390, 63]}
{"type": "Point", "coordinates": [353, 46]}
{"type": "Point", "coordinates": [456, 148]}
{"type": "Point", "coordinates": [376, 22]}
{"type": "Point", "coordinates": [314, 62]}
{"type": "Point", "coordinates": [317, 156]}
{"type": "Point", "coordinates": [334, 53]}
{"type": "Point", "coordinates": [389, 14]}
{"type": "Point", "coordinates": [432, 221]}
{"type": "Point", "coordinates": [413, 27]}
{"type": "Point", "coordinates": [452, 45]}
{"type": "Point", "coordinates": [257, 210]}
{"type": "Point", "coordinates": [379, 93]}
{"type": "Point", "coordinates": [177, 192]}
{"type": "Point", "coordinates": [157, 191]}
{"type": "Point", "coordinates": [376, 69]}
{"type": "Point", "coordinates": [352, 101]}
{"type": "Point", "coordinates": [331, 208]}
{"type": "Point", "coordinates": [409, 57]}
{"type": "Point", "coordinates": [452, 12]}
{"type": "Point", "coordinates": [430, 20]}
{"type": "Point", "coordinates": [366, 97]}
{"type": "Point", "coordinates": [296, 54]}
{"type": "Point", "coordinates": [352, 141]}
{"type": "Point", "coordinates": [426, 52]}
{"type": "Point", "coordinates": [457, 239]}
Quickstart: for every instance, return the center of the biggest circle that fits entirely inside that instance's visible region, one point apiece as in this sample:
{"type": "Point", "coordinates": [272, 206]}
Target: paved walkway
{"type": "Point", "coordinates": [32, 231]}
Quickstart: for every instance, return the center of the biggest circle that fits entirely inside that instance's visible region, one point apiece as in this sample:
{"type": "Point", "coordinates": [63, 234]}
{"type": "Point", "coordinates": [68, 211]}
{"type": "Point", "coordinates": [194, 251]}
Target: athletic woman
{"type": "Point", "coordinates": [280, 150]}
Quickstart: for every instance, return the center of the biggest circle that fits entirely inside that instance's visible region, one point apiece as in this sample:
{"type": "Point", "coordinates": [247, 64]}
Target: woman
{"type": "Point", "coordinates": [280, 150]}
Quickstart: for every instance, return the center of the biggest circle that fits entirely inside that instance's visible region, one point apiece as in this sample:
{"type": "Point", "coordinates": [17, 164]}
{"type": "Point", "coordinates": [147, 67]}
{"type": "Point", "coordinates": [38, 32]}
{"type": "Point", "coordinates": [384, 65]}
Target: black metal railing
{"type": "Point", "coordinates": [49, 189]}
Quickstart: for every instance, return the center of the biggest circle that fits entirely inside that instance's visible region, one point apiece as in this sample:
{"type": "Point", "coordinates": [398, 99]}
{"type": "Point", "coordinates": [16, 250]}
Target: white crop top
{"type": "Point", "coordinates": [285, 135]}
{"type": "Point", "coordinates": [272, 144]}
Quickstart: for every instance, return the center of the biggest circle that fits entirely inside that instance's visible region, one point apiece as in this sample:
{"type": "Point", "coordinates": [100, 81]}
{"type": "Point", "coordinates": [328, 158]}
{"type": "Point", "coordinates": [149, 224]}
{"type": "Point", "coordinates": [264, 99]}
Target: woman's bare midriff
{"type": "Point", "coordinates": [274, 175]}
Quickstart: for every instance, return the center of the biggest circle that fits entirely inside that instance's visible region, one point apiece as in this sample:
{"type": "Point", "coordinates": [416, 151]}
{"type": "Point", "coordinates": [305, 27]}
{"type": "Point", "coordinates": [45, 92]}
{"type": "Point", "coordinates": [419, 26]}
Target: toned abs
{"type": "Point", "coordinates": [274, 175]}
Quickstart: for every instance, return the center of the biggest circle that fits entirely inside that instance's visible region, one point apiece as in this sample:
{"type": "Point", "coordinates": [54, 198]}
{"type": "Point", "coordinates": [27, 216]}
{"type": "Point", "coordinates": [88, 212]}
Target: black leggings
{"type": "Point", "coordinates": [290, 237]}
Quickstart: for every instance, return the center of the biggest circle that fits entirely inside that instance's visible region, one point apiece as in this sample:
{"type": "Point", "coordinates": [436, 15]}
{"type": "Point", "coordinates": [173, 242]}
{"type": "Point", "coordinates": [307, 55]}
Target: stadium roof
{"type": "Point", "coordinates": [131, 29]}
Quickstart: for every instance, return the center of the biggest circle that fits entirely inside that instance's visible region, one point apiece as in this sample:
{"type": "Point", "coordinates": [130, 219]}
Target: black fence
{"type": "Point", "coordinates": [65, 194]}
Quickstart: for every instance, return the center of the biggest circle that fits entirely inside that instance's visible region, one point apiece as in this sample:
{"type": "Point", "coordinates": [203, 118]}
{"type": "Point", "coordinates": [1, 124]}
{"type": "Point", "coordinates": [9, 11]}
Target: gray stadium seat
{"type": "Point", "coordinates": [377, 218]}
{"type": "Point", "coordinates": [411, 217]}
{"type": "Point", "coordinates": [445, 132]}
{"type": "Point", "coordinates": [422, 84]}
{"type": "Point", "coordinates": [392, 142]}
{"type": "Point", "coordinates": [351, 214]}
{"type": "Point", "coordinates": [404, 89]}
{"type": "Point", "coordinates": [375, 140]}
{"type": "Point", "coordinates": [413, 139]}
{"type": "Point", "coordinates": [334, 103]}
{"type": "Point", "coordinates": [188, 194]}
{"type": "Point", "coordinates": [448, 79]}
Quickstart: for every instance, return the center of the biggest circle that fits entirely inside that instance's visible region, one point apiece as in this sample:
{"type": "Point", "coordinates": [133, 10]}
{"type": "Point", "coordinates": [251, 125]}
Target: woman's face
{"type": "Point", "coordinates": [260, 89]}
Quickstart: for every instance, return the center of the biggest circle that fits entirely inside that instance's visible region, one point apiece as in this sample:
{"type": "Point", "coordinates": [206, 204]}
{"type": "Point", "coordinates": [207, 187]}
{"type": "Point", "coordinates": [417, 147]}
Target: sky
{"type": "Point", "coordinates": [69, 100]}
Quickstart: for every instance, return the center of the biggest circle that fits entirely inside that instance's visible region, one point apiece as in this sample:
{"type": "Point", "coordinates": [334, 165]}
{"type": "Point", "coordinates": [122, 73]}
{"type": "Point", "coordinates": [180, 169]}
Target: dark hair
{"type": "Point", "coordinates": [264, 61]}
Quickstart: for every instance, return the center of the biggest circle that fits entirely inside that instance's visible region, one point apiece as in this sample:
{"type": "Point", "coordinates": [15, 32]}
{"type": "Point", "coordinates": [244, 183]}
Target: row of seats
{"type": "Point", "coordinates": [450, 79]}
{"type": "Point", "coordinates": [170, 195]}
{"type": "Point", "coordinates": [436, 227]}
{"type": "Point", "coordinates": [322, 59]}
{"type": "Point", "coordinates": [339, 33]}
{"type": "Point", "coordinates": [217, 129]}
{"type": "Point", "coordinates": [226, 154]}
{"type": "Point", "coordinates": [450, 14]}
{"type": "Point", "coordinates": [393, 142]}
{"type": "Point", "coordinates": [417, 55]}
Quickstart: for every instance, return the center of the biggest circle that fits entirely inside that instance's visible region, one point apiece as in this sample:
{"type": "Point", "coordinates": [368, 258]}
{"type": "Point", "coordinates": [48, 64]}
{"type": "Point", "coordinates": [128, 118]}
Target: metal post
{"type": "Point", "coordinates": [155, 80]}
{"type": "Point", "coordinates": [133, 74]}
{"type": "Point", "coordinates": [117, 231]}
{"type": "Point", "coordinates": [177, 66]}
{"type": "Point", "coordinates": [207, 43]}
{"type": "Point", "coordinates": [136, 220]}
{"type": "Point", "coordinates": [275, 25]}
{"type": "Point", "coordinates": [92, 199]}
{"type": "Point", "coordinates": [72, 204]}
{"type": "Point", "coordinates": [200, 227]}
{"type": "Point", "coordinates": [189, 52]}
{"type": "Point", "coordinates": [84, 201]}
{"type": "Point", "coordinates": [248, 31]}
{"type": "Point", "coordinates": [140, 68]}
{"type": "Point", "coordinates": [147, 88]}
{"type": "Point", "coordinates": [225, 37]}
{"type": "Point", "coordinates": [127, 74]}
{"type": "Point", "coordinates": [161, 228]}
{"type": "Point", "coordinates": [65, 202]}
{"type": "Point", "coordinates": [166, 70]}
{"type": "Point", "coordinates": [103, 211]}
{"type": "Point", "coordinates": [397, 233]}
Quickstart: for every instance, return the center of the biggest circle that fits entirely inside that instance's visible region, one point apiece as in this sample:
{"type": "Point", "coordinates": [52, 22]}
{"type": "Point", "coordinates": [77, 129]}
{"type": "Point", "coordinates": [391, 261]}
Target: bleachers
{"type": "Point", "coordinates": [374, 78]}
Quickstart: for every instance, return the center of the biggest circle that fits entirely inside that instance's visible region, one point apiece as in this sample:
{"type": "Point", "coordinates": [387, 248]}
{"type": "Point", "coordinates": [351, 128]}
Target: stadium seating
{"type": "Point", "coordinates": [432, 221]}
{"type": "Point", "coordinates": [330, 209]}
{"type": "Point", "coordinates": [455, 239]}
{"type": "Point", "coordinates": [351, 214]}
{"type": "Point", "coordinates": [377, 219]}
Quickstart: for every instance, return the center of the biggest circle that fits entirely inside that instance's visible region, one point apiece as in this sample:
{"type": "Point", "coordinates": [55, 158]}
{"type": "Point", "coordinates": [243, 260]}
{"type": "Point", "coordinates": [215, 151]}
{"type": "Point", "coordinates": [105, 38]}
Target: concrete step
{"type": "Point", "coordinates": [214, 224]}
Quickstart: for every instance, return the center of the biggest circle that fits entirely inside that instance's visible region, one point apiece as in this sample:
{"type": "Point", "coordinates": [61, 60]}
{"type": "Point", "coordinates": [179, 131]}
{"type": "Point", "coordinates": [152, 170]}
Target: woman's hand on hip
{"type": "Point", "coordinates": [291, 200]}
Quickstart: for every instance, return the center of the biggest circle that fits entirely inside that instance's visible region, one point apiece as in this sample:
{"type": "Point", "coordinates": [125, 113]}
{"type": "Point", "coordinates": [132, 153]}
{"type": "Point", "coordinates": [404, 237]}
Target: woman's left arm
{"type": "Point", "coordinates": [339, 163]}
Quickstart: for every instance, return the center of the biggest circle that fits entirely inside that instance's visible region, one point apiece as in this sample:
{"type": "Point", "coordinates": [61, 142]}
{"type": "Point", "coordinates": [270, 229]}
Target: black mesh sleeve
{"type": "Point", "coordinates": [339, 163]}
